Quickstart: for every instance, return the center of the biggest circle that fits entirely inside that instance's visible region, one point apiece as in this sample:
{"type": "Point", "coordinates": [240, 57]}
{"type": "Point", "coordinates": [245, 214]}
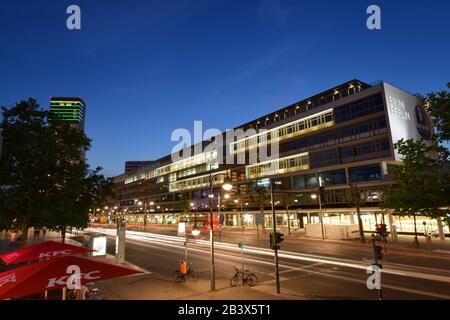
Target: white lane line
{"type": "Point", "coordinates": [282, 254]}
{"type": "Point", "coordinates": [414, 291]}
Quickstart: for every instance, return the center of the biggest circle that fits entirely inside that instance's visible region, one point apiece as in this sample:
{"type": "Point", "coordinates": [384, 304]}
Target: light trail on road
{"type": "Point", "coordinates": [202, 245]}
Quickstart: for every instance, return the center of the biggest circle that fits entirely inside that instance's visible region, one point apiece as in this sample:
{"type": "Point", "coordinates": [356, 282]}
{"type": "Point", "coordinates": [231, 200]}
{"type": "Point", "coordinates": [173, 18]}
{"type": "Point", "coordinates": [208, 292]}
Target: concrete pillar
{"type": "Point", "coordinates": [120, 241]}
{"type": "Point", "coordinates": [393, 228]}
{"type": "Point", "coordinates": [441, 229]}
{"type": "Point", "coordinates": [352, 217]}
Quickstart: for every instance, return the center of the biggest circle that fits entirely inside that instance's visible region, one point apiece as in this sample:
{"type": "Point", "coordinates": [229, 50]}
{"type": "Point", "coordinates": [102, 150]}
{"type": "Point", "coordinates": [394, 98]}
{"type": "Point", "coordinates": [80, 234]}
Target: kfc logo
{"type": "Point", "coordinates": [6, 279]}
{"type": "Point", "coordinates": [63, 281]}
{"type": "Point", "coordinates": [54, 253]}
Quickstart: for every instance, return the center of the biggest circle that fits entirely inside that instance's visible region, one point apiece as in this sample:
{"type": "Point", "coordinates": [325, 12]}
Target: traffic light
{"type": "Point", "coordinates": [322, 193]}
{"type": "Point", "coordinates": [275, 240]}
{"type": "Point", "coordinates": [272, 241]}
{"type": "Point", "coordinates": [378, 253]}
{"type": "Point", "coordinates": [381, 229]}
{"type": "Point", "coordinates": [279, 238]}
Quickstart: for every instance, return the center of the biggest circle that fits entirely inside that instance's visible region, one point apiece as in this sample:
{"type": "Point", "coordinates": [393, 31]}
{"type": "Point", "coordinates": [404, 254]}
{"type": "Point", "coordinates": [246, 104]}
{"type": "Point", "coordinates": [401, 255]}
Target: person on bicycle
{"type": "Point", "coordinates": [183, 267]}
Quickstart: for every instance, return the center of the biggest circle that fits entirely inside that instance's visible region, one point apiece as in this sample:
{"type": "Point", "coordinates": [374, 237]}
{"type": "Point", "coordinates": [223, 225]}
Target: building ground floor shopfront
{"type": "Point", "coordinates": [297, 219]}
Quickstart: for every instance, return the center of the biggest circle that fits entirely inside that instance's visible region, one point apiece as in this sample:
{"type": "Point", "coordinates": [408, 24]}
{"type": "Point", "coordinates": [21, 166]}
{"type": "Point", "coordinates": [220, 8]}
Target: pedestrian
{"type": "Point", "coordinates": [36, 233]}
{"type": "Point", "coordinates": [81, 293]}
{"type": "Point", "coordinates": [44, 231]}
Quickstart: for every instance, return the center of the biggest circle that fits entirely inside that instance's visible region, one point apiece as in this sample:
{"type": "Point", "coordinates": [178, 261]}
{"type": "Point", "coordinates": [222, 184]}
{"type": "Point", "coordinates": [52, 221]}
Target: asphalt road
{"type": "Point", "coordinates": [321, 274]}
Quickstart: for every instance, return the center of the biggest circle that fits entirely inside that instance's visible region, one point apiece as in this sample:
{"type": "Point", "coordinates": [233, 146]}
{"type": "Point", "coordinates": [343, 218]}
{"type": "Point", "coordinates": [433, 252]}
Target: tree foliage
{"type": "Point", "coordinates": [422, 182]}
{"type": "Point", "coordinates": [44, 178]}
{"type": "Point", "coordinates": [439, 107]}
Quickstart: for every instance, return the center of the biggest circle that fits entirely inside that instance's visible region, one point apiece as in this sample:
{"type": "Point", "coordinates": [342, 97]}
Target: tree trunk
{"type": "Point", "coordinates": [63, 235]}
{"type": "Point", "coordinates": [361, 227]}
{"type": "Point", "coordinates": [264, 219]}
{"type": "Point", "coordinates": [25, 228]}
{"type": "Point", "coordinates": [289, 222]}
{"type": "Point", "coordinates": [416, 240]}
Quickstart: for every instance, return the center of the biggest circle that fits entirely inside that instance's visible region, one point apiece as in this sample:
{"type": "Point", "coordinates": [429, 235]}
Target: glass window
{"type": "Point", "coordinates": [311, 181]}
{"type": "Point", "coordinates": [299, 182]}
{"type": "Point", "coordinates": [332, 177]}
{"type": "Point", "coordinates": [363, 127]}
{"type": "Point", "coordinates": [365, 173]}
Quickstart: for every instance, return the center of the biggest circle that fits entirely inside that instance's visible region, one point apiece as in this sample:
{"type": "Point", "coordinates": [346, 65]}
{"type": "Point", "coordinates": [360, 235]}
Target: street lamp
{"type": "Point", "coordinates": [195, 232]}
{"type": "Point", "coordinates": [314, 197]}
{"type": "Point", "coordinates": [227, 186]}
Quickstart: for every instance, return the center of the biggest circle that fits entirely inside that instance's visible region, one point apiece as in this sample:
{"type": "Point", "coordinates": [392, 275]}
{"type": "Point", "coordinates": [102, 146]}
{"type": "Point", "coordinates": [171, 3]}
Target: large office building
{"type": "Point", "coordinates": [340, 137]}
{"type": "Point", "coordinates": [133, 166]}
{"type": "Point", "coordinates": [69, 109]}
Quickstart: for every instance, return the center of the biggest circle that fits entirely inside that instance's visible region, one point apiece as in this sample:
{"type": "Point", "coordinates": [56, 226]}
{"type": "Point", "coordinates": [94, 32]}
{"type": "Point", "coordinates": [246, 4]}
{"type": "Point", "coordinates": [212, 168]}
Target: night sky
{"type": "Point", "coordinates": [145, 68]}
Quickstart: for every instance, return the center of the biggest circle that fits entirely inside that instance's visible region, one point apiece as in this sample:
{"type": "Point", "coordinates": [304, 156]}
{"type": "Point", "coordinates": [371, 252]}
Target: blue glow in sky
{"type": "Point", "coordinates": [145, 68]}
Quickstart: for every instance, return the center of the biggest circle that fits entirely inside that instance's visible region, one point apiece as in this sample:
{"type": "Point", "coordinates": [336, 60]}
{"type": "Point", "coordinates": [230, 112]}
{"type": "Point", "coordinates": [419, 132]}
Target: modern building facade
{"type": "Point", "coordinates": [340, 137]}
{"type": "Point", "coordinates": [132, 166]}
{"type": "Point", "coordinates": [69, 109]}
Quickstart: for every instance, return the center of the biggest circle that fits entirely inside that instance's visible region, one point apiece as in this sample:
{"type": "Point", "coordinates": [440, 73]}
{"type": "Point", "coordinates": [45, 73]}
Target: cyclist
{"type": "Point", "coordinates": [183, 267]}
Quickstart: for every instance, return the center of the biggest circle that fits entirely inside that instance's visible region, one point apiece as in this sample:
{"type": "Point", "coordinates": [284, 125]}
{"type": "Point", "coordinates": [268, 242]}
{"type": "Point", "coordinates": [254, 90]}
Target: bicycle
{"type": "Point", "coordinates": [182, 277]}
{"type": "Point", "coordinates": [245, 276]}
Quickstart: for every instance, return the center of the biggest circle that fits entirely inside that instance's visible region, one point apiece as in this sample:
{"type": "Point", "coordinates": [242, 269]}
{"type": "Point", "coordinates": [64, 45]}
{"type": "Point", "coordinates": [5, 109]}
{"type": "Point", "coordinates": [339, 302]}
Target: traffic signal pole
{"type": "Point", "coordinates": [274, 225]}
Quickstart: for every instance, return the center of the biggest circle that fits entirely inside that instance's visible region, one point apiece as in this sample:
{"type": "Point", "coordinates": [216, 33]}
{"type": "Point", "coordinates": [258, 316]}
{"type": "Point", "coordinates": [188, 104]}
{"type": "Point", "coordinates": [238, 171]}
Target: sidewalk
{"type": "Point", "coordinates": [154, 287]}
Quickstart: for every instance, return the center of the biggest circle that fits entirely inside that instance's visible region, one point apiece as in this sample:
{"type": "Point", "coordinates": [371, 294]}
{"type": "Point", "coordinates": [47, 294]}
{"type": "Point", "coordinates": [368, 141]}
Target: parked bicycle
{"type": "Point", "coordinates": [190, 274]}
{"type": "Point", "coordinates": [246, 277]}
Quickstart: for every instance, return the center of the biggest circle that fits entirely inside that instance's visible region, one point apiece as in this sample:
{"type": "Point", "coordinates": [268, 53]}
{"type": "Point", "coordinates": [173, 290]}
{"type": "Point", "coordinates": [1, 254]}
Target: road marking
{"type": "Point", "coordinates": [415, 291]}
{"type": "Point", "coordinates": [177, 242]}
{"type": "Point", "coordinates": [301, 268]}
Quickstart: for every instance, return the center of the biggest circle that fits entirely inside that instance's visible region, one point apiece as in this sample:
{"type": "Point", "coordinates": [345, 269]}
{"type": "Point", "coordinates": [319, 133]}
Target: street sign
{"type": "Point", "coordinates": [241, 244]}
{"type": "Point", "coordinates": [259, 218]}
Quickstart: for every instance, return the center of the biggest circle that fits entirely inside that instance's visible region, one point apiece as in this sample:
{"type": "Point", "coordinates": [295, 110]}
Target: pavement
{"type": "Point", "coordinates": [155, 287]}
{"type": "Point", "coordinates": [151, 286]}
{"type": "Point", "coordinates": [328, 274]}
{"type": "Point", "coordinates": [309, 269]}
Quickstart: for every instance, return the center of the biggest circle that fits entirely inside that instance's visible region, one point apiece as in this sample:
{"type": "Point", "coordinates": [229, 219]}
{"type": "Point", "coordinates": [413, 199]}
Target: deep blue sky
{"type": "Point", "coordinates": [146, 68]}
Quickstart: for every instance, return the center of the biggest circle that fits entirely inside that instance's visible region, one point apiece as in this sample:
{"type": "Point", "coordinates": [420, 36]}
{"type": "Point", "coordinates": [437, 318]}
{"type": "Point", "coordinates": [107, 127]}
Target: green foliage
{"type": "Point", "coordinates": [259, 196]}
{"type": "Point", "coordinates": [439, 106]}
{"type": "Point", "coordinates": [288, 200]}
{"type": "Point", "coordinates": [44, 177]}
{"type": "Point", "coordinates": [422, 182]}
{"type": "Point", "coordinates": [185, 203]}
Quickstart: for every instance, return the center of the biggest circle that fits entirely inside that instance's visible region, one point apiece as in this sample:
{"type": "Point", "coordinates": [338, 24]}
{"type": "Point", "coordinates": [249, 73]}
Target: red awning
{"type": "Point", "coordinates": [54, 273]}
{"type": "Point", "coordinates": [42, 250]}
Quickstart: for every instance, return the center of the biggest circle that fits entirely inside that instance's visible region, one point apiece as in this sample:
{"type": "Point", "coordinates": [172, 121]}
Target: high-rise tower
{"type": "Point", "coordinates": [69, 109]}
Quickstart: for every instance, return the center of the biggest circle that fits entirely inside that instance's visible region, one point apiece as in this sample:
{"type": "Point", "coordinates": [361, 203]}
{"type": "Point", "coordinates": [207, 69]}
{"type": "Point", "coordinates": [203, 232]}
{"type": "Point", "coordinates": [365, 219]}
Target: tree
{"type": "Point", "coordinates": [288, 201]}
{"type": "Point", "coordinates": [439, 106]}
{"type": "Point", "coordinates": [43, 172]}
{"type": "Point", "coordinates": [356, 199]}
{"type": "Point", "coordinates": [259, 197]}
{"type": "Point", "coordinates": [71, 205]}
{"type": "Point", "coordinates": [422, 183]}
{"type": "Point", "coordinates": [24, 167]}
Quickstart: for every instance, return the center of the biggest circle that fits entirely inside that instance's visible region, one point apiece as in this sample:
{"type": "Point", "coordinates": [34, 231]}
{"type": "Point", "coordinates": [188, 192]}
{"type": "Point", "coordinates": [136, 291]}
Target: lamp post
{"type": "Point", "coordinates": [315, 196]}
{"type": "Point", "coordinates": [227, 186]}
{"type": "Point", "coordinates": [274, 226]}
{"type": "Point", "coordinates": [195, 232]}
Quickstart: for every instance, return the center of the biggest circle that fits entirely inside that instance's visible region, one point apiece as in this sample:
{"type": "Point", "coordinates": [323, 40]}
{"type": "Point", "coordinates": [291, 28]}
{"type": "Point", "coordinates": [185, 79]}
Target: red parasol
{"type": "Point", "coordinates": [42, 250]}
{"type": "Point", "coordinates": [57, 273]}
